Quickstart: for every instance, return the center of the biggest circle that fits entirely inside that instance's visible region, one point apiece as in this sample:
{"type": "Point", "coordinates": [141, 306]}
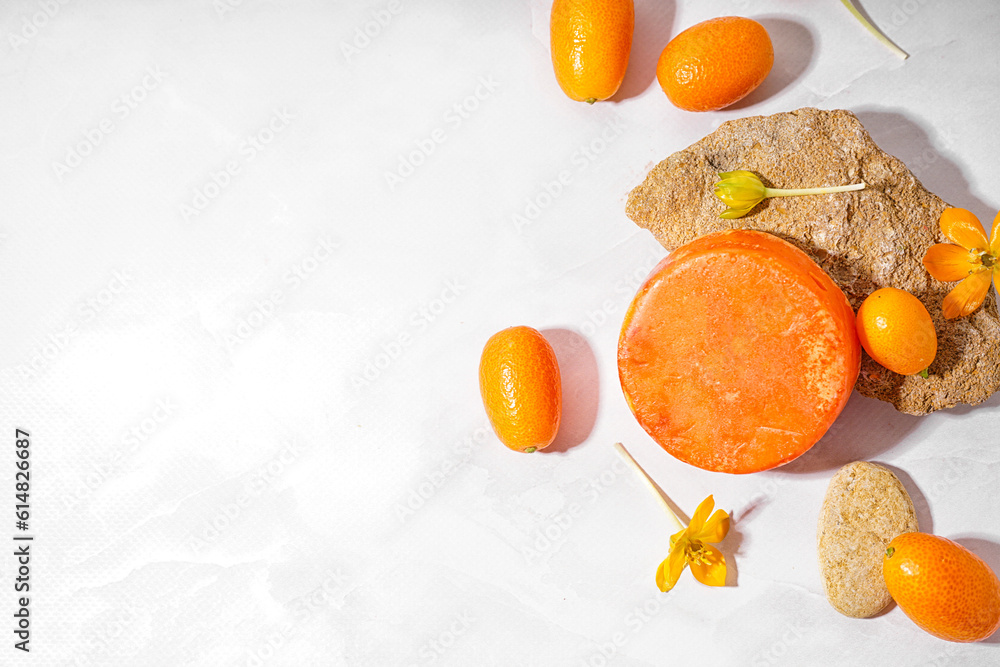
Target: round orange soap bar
{"type": "Point", "coordinates": [738, 352]}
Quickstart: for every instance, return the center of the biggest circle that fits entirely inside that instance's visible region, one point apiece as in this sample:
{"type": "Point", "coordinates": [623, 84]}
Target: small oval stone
{"type": "Point", "coordinates": [865, 507]}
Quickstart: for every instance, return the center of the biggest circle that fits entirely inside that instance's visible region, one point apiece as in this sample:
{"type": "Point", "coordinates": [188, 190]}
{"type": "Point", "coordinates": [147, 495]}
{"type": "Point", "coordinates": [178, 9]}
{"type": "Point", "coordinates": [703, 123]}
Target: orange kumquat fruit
{"type": "Point", "coordinates": [897, 331]}
{"type": "Point", "coordinates": [943, 587]}
{"type": "Point", "coordinates": [521, 388]}
{"type": "Point", "coordinates": [590, 45]}
{"type": "Point", "coordinates": [715, 63]}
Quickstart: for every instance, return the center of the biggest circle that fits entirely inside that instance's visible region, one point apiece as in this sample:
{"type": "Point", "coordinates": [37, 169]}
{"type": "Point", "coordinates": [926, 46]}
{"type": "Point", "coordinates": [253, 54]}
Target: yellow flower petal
{"type": "Point", "coordinates": [711, 571]}
{"type": "Point", "coordinates": [738, 196]}
{"type": "Point", "coordinates": [670, 569]}
{"type": "Point", "coordinates": [733, 213]}
{"type": "Point", "coordinates": [995, 237]}
{"type": "Point", "coordinates": [738, 173]}
{"type": "Point", "coordinates": [701, 516]}
{"type": "Point", "coordinates": [740, 191]}
{"type": "Point", "coordinates": [715, 529]}
{"type": "Point", "coordinates": [739, 186]}
{"type": "Point", "coordinates": [967, 296]}
{"type": "Point", "coordinates": [949, 263]}
{"type": "Point", "coordinates": [681, 535]}
{"type": "Point", "coordinates": [962, 227]}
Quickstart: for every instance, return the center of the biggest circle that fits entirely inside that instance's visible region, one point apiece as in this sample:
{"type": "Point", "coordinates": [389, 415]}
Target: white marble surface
{"type": "Point", "coordinates": [250, 252]}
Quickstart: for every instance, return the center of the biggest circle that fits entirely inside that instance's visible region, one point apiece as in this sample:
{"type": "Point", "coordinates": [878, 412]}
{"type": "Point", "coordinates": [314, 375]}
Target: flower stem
{"type": "Point", "coordinates": [649, 481]}
{"type": "Point", "coordinates": [794, 192]}
{"type": "Point", "coordinates": [879, 35]}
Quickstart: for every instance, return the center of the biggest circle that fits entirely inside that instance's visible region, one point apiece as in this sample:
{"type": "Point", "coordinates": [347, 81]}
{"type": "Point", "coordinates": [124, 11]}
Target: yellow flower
{"type": "Point", "coordinates": [688, 546]}
{"type": "Point", "coordinates": [973, 261]}
{"type": "Point", "coordinates": [742, 190]}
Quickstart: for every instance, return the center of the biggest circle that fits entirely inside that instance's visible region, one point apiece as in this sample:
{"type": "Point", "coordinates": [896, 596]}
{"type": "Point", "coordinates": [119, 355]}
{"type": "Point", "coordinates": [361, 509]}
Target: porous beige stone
{"type": "Point", "coordinates": [865, 507]}
{"type": "Point", "coordinates": [864, 240]}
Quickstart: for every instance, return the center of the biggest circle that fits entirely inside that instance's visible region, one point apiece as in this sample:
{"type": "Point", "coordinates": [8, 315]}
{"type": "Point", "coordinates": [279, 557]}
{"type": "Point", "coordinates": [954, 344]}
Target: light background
{"type": "Point", "coordinates": [250, 252]}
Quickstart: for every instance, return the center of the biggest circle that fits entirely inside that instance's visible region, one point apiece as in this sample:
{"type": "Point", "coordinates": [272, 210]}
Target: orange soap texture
{"type": "Point", "coordinates": [738, 352]}
{"type": "Point", "coordinates": [943, 587]}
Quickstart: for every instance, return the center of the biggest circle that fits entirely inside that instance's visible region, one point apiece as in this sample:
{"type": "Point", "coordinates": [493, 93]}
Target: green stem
{"type": "Point", "coordinates": [879, 35]}
{"type": "Point", "coordinates": [649, 481]}
{"type": "Point", "coordinates": [795, 192]}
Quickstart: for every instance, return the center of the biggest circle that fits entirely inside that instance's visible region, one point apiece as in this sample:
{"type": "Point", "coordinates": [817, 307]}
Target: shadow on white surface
{"type": "Point", "coordinates": [922, 507]}
{"type": "Point", "coordinates": [865, 429]}
{"type": "Point", "coordinates": [580, 387]}
{"type": "Point", "coordinates": [654, 22]}
{"type": "Point", "coordinates": [927, 156]}
{"type": "Point", "coordinates": [730, 548]}
{"type": "Point", "coordinates": [793, 55]}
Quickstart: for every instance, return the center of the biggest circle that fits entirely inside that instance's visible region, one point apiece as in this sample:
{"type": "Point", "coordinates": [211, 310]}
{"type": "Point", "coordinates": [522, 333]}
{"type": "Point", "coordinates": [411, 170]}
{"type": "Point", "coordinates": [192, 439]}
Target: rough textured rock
{"type": "Point", "coordinates": [864, 240]}
{"type": "Point", "coordinates": [865, 508]}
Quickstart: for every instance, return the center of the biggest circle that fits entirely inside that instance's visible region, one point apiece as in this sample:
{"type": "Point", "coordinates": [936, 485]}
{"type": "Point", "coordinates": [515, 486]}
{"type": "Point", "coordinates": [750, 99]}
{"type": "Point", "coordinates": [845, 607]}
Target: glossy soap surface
{"type": "Point", "coordinates": [738, 353]}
